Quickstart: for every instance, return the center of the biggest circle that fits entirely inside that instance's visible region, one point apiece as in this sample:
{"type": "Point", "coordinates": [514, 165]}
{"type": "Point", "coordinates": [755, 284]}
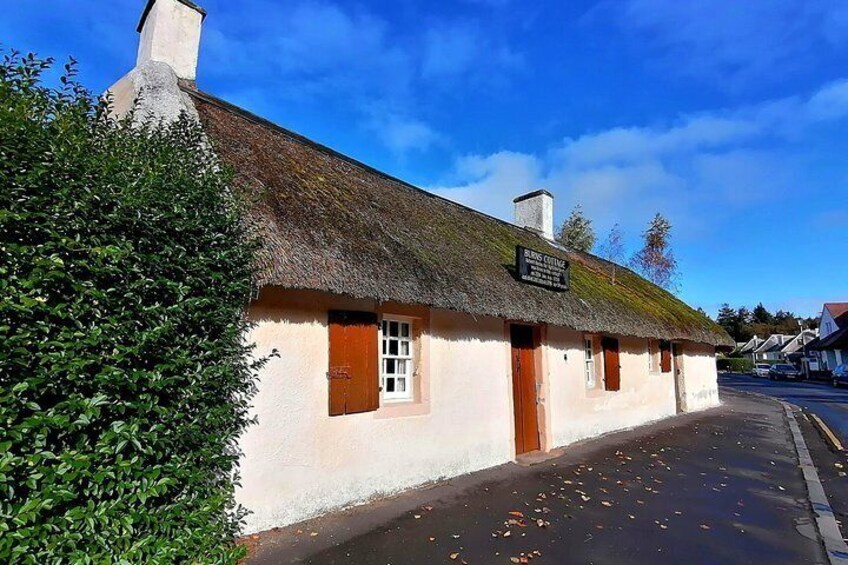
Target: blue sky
{"type": "Point", "coordinates": [729, 117]}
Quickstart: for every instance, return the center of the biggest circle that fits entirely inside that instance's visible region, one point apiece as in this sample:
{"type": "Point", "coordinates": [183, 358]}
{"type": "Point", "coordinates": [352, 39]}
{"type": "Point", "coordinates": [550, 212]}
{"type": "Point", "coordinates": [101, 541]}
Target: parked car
{"type": "Point", "coordinates": [784, 371]}
{"type": "Point", "coordinates": [840, 375]}
{"type": "Point", "coordinates": [761, 370]}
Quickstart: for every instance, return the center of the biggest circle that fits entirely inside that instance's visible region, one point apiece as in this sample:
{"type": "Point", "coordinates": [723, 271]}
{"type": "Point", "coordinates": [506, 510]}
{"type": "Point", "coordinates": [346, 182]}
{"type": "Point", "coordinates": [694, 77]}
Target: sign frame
{"type": "Point", "coordinates": [542, 269]}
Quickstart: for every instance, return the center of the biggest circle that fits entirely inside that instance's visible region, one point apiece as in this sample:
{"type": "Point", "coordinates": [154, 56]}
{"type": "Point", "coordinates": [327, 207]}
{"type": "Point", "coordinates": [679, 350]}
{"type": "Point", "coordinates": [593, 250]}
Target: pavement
{"type": "Point", "coordinates": [831, 405]}
{"type": "Point", "coordinates": [719, 486]}
{"type": "Point", "coordinates": [819, 397]}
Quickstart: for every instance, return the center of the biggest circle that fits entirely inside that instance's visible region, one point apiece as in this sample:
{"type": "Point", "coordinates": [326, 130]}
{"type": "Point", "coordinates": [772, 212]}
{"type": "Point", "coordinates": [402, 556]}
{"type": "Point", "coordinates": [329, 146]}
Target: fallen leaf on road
{"type": "Point", "coordinates": [606, 503]}
{"type": "Point", "coordinates": [517, 514]}
{"type": "Point", "coordinates": [705, 527]}
{"type": "Point", "coordinates": [454, 556]}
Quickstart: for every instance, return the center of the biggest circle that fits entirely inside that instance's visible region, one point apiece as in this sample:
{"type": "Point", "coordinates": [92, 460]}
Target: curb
{"type": "Point", "coordinates": [837, 550]}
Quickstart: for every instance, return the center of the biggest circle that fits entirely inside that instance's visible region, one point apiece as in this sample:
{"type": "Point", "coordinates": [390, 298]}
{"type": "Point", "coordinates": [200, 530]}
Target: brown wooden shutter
{"type": "Point", "coordinates": [612, 364]}
{"type": "Point", "coordinates": [354, 372]}
{"type": "Point", "coordinates": [665, 356]}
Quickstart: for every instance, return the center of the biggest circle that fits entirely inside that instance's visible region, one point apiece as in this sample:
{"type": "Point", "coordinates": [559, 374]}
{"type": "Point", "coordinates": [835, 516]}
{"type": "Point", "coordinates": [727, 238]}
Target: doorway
{"type": "Point", "coordinates": [679, 383]}
{"type": "Point", "coordinates": [612, 364]}
{"type": "Point", "coordinates": [524, 341]}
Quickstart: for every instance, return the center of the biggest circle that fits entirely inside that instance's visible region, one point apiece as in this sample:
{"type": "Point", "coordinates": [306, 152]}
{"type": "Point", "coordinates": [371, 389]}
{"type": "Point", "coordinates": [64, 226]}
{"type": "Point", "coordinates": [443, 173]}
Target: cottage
{"type": "Point", "coordinates": [418, 339]}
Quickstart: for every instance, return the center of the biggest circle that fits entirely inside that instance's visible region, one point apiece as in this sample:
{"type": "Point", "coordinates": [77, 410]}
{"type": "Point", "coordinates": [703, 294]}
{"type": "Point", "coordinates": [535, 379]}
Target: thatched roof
{"type": "Point", "coordinates": [330, 223]}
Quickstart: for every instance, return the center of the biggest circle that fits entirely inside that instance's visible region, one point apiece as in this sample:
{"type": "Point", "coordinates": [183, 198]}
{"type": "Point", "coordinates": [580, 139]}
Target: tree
{"type": "Point", "coordinates": [655, 261]}
{"type": "Point", "coordinates": [125, 378]}
{"type": "Point", "coordinates": [612, 249]}
{"type": "Point", "coordinates": [576, 232]}
{"type": "Point", "coordinates": [735, 322]}
{"type": "Point", "coordinates": [761, 315]}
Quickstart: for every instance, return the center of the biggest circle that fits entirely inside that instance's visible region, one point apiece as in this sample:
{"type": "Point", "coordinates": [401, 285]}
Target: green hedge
{"type": "Point", "coordinates": [124, 378]}
{"type": "Point", "coordinates": [735, 365]}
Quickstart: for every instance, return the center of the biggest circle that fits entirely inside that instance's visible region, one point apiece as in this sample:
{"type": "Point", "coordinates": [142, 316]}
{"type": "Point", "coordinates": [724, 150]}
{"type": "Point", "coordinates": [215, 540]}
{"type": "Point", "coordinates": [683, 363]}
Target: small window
{"type": "Point", "coordinates": [590, 363]}
{"type": "Point", "coordinates": [396, 368]}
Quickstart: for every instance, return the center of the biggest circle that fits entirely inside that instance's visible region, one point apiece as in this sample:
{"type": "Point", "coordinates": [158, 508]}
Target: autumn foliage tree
{"type": "Point", "coordinates": [655, 260]}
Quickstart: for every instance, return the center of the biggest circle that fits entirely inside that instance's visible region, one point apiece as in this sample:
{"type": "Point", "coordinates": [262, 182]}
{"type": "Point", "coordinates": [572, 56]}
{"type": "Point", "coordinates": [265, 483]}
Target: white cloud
{"type": "Point", "coordinates": [697, 171]}
{"type": "Point", "coordinates": [489, 183]}
{"type": "Point", "coordinates": [403, 134]}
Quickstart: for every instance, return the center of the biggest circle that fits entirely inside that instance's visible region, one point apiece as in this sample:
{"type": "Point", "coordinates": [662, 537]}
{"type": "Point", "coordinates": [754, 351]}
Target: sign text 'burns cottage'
{"type": "Point", "coordinates": [541, 269]}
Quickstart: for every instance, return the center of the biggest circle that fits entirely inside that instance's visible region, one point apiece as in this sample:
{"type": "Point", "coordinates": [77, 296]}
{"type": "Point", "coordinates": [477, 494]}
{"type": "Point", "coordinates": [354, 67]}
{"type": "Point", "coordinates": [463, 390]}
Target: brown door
{"type": "Point", "coordinates": [354, 374]}
{"type": "Point", "coordinates": [524, 343]}
{"type": "Point", "coordinates": [665, 356]}
{"type": "Point", "coordinates": [612, 365]}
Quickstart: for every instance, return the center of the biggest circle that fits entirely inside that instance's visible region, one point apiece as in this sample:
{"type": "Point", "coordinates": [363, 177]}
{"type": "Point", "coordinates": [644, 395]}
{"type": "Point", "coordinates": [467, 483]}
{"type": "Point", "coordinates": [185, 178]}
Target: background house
{"type": "Point", "coordinates": [747, 349]}
{"type": "Point", "coordinates": [833, 335]}
{"type": "Point", "coordinates": [770, 349]}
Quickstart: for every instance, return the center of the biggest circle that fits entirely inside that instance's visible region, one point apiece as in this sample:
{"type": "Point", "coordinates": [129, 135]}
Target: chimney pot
{"type": "Point", "coordinates": [535, 210]}
{"type": "Point", "coordinates": [170, 33]}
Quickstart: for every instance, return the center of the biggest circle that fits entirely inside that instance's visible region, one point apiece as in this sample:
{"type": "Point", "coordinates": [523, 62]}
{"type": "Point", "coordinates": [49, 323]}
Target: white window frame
{"type": "Point", "coordinates": [589, 362]}
{"type": "Point", "coordinates": [405, 356]}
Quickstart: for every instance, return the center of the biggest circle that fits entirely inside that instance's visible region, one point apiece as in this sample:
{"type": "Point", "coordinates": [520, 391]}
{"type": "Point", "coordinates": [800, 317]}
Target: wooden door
{"type": "Point", "coordinates": [354, 371]}
{"type": "Point", "coordinates": [665, 356]}
{"type": "Point", "coordinates": [524, 342]}
{"type": "Point", "coordinates": [612, 364]}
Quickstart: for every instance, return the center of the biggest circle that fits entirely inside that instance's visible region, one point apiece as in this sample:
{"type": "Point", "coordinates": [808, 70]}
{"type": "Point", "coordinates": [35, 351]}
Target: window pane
{"type": "Point", "coordinates": [393, 329]}
{"type": "Point", "coordinates": [404, 329]}
{"type": "Point", "coordinates": [384, 347]}
{"type": "Point", "coordinates": [385, 327]}
{"type": "Point", "coordinates": [393, 347]}
{"type": "Point", "coordinates": [390, 366]}
{"type": "Point", "coordinates": [404, 348]}
{"type": "Point", "coordinates": [401, 367]}
{"type": "Point", "coordinates": [390, 385]}
{"type": "Point", "coordinates": [401, 385]}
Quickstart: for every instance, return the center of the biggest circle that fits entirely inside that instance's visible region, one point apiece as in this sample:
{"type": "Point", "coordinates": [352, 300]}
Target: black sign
{"type": "Point", "coordinates": [541, 269]}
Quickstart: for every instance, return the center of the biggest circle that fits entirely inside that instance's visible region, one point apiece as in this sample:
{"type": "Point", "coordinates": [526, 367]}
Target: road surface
{"type": "Point", "coordinates": [721, 486]}
{"type": "Point", "coordinates": [830, 404]}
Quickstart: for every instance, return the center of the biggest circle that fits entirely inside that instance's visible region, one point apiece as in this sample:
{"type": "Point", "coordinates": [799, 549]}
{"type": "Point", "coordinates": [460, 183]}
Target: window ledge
{"type": "Point", "coordinates": [402, 409]}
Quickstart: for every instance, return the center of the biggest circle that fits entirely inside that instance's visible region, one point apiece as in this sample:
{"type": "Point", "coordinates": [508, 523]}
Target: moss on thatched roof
{"type": "Point", "coordinates": [329, 223]}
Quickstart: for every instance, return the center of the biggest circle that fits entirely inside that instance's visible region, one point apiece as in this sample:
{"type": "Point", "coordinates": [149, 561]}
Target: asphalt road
{"type": "Point", "coordinates": [830, 404]}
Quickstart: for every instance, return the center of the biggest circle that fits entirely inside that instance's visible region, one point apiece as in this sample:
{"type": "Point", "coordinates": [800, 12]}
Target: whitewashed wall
{"type": "Point", "coordinates": [299, 462]}
{"type": "Point", "coordinates": [578, 413]}
{"type": "Point", "coordinates": [700, 386]}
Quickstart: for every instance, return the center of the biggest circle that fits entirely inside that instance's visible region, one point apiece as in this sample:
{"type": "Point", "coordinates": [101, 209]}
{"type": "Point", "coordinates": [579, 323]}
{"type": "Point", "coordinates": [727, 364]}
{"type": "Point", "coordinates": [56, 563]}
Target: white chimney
{"type": "Point", "coordinates": [535, 210]}
{"type": "Point", "coordinates": [170, 33]}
